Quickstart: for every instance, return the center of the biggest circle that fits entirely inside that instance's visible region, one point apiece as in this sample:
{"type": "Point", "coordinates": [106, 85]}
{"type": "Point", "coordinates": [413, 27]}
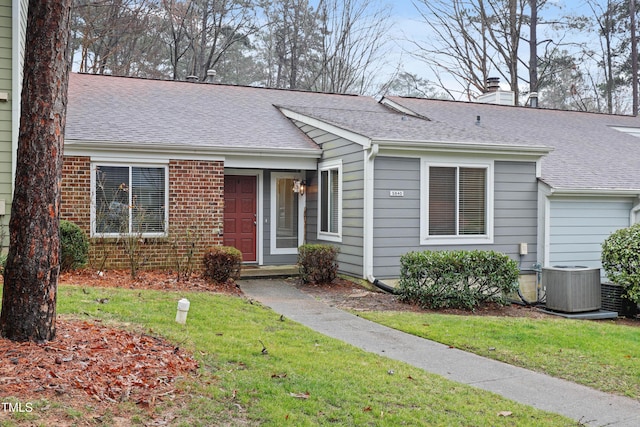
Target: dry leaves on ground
{"type": "Point", "coordinates": [349, 296]}
{"type": "Point", "coordinates": [346, 295]}
{"type": "Point", "coordinates": [89, 364]}
{"type": "Point", "coordinates": [87, 358]}
{"type": "Point", "coordinates": [148, 279]}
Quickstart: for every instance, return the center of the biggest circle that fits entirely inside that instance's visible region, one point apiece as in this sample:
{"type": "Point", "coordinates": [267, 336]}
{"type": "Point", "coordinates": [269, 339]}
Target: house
{"type": "Point", "coordinates": [182, 164]}
{"type": "Point", "coordinates": [13, 15]}
{"type": "Point", "coordinates": [588, 186]}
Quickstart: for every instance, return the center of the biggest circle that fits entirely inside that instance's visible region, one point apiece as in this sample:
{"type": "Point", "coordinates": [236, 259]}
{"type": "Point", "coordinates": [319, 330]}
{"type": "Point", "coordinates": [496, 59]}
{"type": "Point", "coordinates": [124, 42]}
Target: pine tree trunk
{"type": "Point", "coordinates": [32, 269]}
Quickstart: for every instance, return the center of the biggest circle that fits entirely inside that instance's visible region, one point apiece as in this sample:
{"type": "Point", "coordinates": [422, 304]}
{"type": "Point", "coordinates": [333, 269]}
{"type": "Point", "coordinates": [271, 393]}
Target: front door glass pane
{"type": "Point", "coordinates": [287, 214]}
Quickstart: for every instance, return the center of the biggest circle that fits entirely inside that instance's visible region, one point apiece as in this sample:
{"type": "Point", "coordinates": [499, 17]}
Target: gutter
{"type": "Point", "coordinates": [467, 147]}
{"type": "Point", "coordinates": [609, 192]}
{"type": "Point", "coordinates": [77, 147]}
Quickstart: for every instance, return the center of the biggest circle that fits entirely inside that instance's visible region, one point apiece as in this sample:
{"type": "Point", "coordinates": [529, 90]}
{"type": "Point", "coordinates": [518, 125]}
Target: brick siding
{"type": "Point", "coordinates": [196, 206]}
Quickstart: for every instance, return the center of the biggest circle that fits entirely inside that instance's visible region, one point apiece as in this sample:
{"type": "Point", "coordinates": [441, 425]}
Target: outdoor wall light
{"type": "Point", "coordinates": [298, 186]}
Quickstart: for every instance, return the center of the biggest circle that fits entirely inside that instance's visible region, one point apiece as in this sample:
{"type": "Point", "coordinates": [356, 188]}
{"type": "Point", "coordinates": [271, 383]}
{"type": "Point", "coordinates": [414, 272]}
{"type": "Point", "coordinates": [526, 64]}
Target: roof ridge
{"type": "Point", "coordinates": [155, 79]}
{"type": "Point", "coordinates": [417, 98]}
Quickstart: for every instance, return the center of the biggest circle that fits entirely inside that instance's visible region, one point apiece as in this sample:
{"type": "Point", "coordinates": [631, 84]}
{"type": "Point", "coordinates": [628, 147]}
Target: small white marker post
{"type": "Point", "coordinates": [183, 309]}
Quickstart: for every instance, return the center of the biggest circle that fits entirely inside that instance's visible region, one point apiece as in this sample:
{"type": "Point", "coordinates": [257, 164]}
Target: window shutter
{"type": "Point", "coordinates": [472, 201]}
{"type": "Point", "coordinates": [442, 201]}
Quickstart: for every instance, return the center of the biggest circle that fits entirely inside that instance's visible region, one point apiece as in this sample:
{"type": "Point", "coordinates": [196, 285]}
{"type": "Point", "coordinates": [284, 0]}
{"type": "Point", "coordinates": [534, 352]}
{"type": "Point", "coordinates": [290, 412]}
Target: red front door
{"type": "Point", "coordinates": [240, 215]}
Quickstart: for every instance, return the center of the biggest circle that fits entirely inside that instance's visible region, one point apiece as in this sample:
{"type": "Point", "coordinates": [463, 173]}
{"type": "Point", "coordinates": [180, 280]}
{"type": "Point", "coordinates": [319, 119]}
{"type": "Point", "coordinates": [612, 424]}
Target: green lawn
{"type": "Point", "coordinates": [305, 379]}
{"type": "Point", "coordinates": [598, 354]}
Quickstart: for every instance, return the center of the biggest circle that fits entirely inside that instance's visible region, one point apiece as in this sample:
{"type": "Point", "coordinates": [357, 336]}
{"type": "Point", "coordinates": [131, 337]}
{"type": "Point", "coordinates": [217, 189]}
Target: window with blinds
{"type": "Point", "coordinates": [329, 200]}
{"type": "Point", "coordinates": [457, 201]}
{"type": "Point", "coordinates": [130, 200]}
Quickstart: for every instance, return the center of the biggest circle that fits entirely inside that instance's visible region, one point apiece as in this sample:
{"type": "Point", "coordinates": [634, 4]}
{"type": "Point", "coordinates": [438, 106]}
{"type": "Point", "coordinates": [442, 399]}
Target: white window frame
{"type": "Point", "coordinates": [322, 167]}
{"type": "Point", "coordinates": [425, 238]}
{"type": "Point", "coordinates": [274, 210]}
{"type": "Point", "coordinates": [94, 167]}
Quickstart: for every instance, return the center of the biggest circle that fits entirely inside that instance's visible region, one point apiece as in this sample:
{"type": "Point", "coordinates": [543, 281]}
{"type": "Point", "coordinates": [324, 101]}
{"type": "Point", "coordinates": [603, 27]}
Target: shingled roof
{"type": "Point", "coordinates": [588, 152]}
{"type": "Point", "coordinates": [105, 109]}
{"type": "Point", "coordinates": [384, 124]}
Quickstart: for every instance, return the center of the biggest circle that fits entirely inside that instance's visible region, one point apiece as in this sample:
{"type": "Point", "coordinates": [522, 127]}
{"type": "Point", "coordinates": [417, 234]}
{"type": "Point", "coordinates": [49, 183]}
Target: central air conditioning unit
{"type": "Point", "coordinates": [613, 299]}
{"type": "Point", "coordinates": [572, 289]}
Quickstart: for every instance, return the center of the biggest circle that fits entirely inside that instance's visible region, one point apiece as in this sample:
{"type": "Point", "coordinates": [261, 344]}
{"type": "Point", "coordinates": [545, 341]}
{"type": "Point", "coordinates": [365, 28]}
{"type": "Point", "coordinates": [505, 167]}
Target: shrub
{"type": "Point", "coordinates": [621, 260]}
{"type": "Point", "coordinates": [457, 279]}
{"type": "Point", "coordinates": [221, 263]}
{"type": "Point", "coordinates": [317, 263]}
{"type": "Point", "coordinates": [74, 246]}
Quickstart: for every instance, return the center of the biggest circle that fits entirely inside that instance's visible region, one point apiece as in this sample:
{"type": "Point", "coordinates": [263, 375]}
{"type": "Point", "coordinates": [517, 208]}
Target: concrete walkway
{"type": "Point", "coordinates": [581, 403]}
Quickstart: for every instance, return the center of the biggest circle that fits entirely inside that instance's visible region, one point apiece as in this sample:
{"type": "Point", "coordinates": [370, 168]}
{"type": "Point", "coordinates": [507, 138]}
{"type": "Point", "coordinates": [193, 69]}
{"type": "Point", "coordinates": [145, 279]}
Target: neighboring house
{"type": "Point", "coordinates": [13, 15]}
{"type": "Point", "coordinates": [266, 170]}
{"type": "Point", "coordinates": [588, 186]}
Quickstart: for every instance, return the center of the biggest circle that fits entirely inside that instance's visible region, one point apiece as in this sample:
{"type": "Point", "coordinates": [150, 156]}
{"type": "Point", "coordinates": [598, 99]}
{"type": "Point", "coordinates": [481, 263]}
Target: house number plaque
{"type": "Point", "coordinates": [396, 193]}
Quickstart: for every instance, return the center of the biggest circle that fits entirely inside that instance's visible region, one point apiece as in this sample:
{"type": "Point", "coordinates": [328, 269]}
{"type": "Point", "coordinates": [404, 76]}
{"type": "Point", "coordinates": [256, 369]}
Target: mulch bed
{"type": "Point", "coordinates": [92, 365]}
{"type": "Point", "coordinates": [346, 295]}
{"type": "Point", "coordinates": [157, 280]}
{"type": "Point", "coordinates": [88, 358]}
{"type": "Point", "coordinates": [106, 363]}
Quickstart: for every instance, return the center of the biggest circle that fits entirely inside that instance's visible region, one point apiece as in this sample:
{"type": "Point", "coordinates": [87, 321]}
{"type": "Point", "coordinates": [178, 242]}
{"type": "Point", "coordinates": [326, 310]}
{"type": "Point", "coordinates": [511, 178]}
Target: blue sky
{"type": "Point", "coordinates": [409, 24]}
{"type": "Point", "coordinates": [405, 8]}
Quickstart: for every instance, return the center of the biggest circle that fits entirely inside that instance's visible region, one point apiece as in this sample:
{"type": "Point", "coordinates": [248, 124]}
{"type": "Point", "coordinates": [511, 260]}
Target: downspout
{"type": "Point", "coordinates": [368, 218]}
{"type": "Point", "coordinates": [367, 250]}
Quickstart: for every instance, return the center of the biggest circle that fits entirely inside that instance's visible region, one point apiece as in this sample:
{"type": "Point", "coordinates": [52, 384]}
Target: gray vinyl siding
{"type": "Point", "coordinates": [350, 257]}
{"type": "Point", "coordinates": [6, 62]}
{"type": "Point", "coordinates": [579, 226]}
{"type": "Point", "coordinates": [24, 9]}
{"type": "Point", "coordinates": [516, 210]}
{"type": "Point", "coordinates": [397, 219]}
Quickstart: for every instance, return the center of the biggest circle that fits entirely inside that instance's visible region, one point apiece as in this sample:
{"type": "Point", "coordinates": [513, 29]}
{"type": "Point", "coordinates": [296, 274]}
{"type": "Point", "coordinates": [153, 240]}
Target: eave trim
{"type": "Point", "coordinates": [359, 139]}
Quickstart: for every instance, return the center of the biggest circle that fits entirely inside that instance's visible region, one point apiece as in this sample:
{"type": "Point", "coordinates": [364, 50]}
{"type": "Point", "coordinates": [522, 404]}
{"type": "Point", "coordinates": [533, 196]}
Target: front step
{"type": "Point", "coordinates": [268, 271]}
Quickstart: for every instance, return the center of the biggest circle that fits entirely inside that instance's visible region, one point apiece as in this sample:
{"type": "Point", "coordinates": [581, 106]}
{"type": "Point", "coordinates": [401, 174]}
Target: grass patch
{"type": "Point", "coordinates": [304, 379]}
{"type": "Point", "coordinates": [600, 354]}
